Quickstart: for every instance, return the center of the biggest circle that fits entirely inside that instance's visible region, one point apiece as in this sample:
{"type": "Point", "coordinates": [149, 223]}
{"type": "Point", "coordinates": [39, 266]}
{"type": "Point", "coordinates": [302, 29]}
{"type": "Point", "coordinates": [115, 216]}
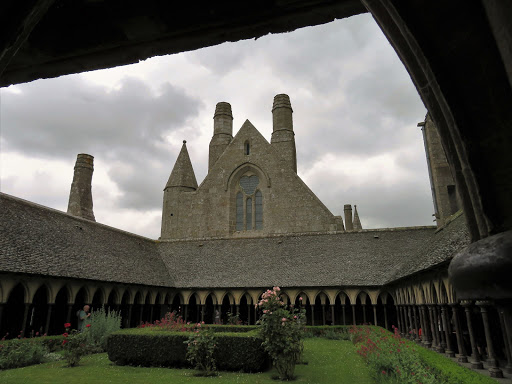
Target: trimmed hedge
{"type": "Point", "coordinates": [322, 330]}
{"type": "Point", "coordinates": [214, 327]}
{"type": "Point", "coordinates": [235, 351]}
{"type": "Point", "coordinates": [450, 372]}
{"type": "Point", "coordinates": [51, 343]}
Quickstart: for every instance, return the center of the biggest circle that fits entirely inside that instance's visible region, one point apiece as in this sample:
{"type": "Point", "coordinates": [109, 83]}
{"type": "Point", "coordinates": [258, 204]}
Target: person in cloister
{"type": "Point", "coordinates": [83, 317]}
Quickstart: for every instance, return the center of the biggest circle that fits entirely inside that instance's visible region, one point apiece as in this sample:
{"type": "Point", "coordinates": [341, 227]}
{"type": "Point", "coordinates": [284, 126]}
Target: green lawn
{"type": "Point", "coordinates": [329, 361]}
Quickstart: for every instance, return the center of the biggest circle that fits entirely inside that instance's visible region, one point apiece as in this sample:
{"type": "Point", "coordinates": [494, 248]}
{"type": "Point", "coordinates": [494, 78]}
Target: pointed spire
{"type": "Point", "coordinates": [357, 223]}
{"type": "Point", "coordinates": [182, 174]}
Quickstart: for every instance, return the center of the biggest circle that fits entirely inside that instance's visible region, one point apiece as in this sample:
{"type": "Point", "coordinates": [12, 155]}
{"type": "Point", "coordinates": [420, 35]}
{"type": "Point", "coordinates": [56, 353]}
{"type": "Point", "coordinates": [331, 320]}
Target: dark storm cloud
{"type": "Point", "coordinates": [125, 127]}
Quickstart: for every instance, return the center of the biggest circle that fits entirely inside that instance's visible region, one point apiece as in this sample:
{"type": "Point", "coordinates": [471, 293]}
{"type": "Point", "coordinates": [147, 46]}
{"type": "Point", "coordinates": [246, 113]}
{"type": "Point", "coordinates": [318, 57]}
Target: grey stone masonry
{"type": "Point", "coordinates": [80, 196]}
{"type": "Point", "coordinates": [222, 132]}
{"type": "Point", "coordinates": [283, 139]}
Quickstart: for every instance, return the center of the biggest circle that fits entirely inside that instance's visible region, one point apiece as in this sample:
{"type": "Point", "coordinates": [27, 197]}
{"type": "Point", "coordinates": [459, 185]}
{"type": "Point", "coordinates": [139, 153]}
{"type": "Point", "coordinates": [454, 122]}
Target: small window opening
{"type": "Point", "coordinates": [247, 148]}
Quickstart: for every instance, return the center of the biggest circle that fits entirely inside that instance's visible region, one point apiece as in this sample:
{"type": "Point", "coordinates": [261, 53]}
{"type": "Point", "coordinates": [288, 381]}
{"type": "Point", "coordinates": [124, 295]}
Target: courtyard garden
{"type": "Point", "coordinates": [280, 347]}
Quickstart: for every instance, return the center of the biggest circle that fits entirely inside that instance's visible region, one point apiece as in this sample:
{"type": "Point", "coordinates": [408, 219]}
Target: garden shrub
{"type": "Point", "coordinates": [200, 349]}
{"type": "Point", "coordinates": [282, 332]}
{"type": "Point", "coordinates": [103, 323]}
{"type": "Point", "coordinates": [146, 347]}
{"type": "Point", "coordinates": [21, 353]}
{"type": "Point", "coordinates": [74, 345]}
{"type": "Point", "coordinates": [341, 331]}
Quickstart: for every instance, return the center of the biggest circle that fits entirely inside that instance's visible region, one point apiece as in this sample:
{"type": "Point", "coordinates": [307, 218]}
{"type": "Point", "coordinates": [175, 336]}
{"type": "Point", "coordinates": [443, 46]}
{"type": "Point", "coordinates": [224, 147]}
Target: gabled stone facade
{"type": "Point", "coordinates": [251, 190]}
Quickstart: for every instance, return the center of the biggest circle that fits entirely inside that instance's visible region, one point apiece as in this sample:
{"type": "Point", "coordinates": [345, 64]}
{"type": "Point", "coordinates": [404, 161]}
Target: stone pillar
{"type": "Point", "coordinates": [323, 314]}
{"type": "Point", "coordinates": [433, 326]}
{"type": "Point", "coordinates": [405, 331]}
{"type": "Point", "coordinates": [364, 313]}
{"type": "Point", "coordinates": [48, 317]}
{"type": "Point", "coordinates": [506, 311]}
{"type": "Point", "coordinates": [343, 314]}
{"type": "Point", "coordinates": [475, 356]}
{"type": "Point", "coordinates": [333, 317]}
{"type": "Point", "coordinates": [439, 334]}
{"type": "Point", "coordinates": [249, 314]}
{"type": "Point", "coordinates": [312, 314]}
{"type": "Point", "coordinates": [353, 314]}
{"type": "Point", "coordinates": [375, 314]}
{"type": "Point", "coordinates": [493, 369]}
{"type": "Point", "coordinates": [222, 132]}
{"type": "Point", "coordinates": [415, 315]}
{"type": "Point", "coordinates": [427, 339]}
{"type": "Point", "coordinates": [398, 319]}
{"type": "Point", "coordinates": [442, 338]}
{"type": "Point", "coordinates": [1, 315]}
{"type": "Point", "coordinates": [237, 309]}
{"type": "Point", "coordinates": [140, 314]}
{"type": "Point", "coordinates": [24, 323]}
{"type": "Point", "coordinates": [349, 226]}
{"type": "Point", "coordinates": [151, 308]}
{"type": "Point", "coordinates": [386, 317]}
{"type": "Point", "coordinates": [128, 320]}
{"type": "Point", "coordinates": [508, 367]}
{"type": "Point", "coordinates": [411, 327]}
{"type": "Point", "coordinates": [202, 306]}
{"type": "Point", "coordinates": [447, 331]}
{"type": "Point", "coordinates": [68, 316]}
{"type": "Point", "coordinates": [255, 315]}
{"type": "Point", "coordinates": [461, 356]}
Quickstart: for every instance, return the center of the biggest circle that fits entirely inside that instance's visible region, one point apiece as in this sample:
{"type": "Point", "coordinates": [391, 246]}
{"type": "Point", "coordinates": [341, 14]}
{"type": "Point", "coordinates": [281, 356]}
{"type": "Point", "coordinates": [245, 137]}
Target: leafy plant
{"type": "Point", "coordinates": [74, 345]}
{"type": "Point", "coordinates": [200, 349]}
{"type": "Point", "coordinates": [282, 331]}
{"type": "Point", "coordinates": [103, 323]}
{"type": "Point", "coordinates": [233, 319]}
{"type": "Point", "coordinates": [20, 353]}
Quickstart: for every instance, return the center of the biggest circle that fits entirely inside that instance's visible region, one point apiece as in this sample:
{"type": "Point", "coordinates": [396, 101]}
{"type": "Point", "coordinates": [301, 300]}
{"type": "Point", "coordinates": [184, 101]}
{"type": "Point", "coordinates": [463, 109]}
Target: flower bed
{"type": "Point", "coordinates": [393, 359]}
{"type": "Point", "coordinates": [234, 351]}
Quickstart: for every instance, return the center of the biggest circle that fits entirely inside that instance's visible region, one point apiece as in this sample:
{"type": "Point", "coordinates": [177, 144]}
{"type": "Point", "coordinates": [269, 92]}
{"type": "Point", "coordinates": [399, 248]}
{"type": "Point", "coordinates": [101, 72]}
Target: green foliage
{"type": "Point", "coordinates": [20, 353]}
{"type": "Point", "coordinates": [282, 331]}
{"type": "Point", "coordinates": [200, 349]}
{"type": "Point", "coordinates": [233, 319]}
{"type": "Point", "coordinates": [396, 360]}
{"type": "Point", "coordinates": [341, 332]}
{"type": "Point", "coordinates": [74, 345]}
{"type": "Point", "coordinates": [103, 323]}
{"type": "Point", "coordinates": [149, 347]}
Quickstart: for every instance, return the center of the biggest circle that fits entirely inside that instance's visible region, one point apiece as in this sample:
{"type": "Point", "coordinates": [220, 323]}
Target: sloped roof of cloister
{"type": "Point", "coordinates": [38, 240]}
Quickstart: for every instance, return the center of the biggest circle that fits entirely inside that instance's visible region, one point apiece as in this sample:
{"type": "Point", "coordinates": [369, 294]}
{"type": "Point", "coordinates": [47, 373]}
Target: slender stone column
{"type": "Point", "coordinates": [353, 314]}
{"type": "Point", "coordinates": [237, 308]}
{"type": "Point", "coordinates": [249, 314]}
{"type": "Point", "coordinates": [433, 326]}
{"type": "Point", "coordinates": [398, 319]}
{"type": "Point", "coordinates": [151, 307]}
{"type": "Point", "coordinates": [185, 317]}
{"type": "Point", "coordinates": [332, 315]}
{"type": "Point", "coordinates": [255, 315]}
{"type": "Point", "coordinates": [386, 317]}
{"type": "Point", "coordinates": [508, 367]}
{"type": "Point", "coordinates": [405, 331]}
{"type": "Point", "coordinates": [48, 317]}
{"type": "Point", "coordinates": [24, 324]}
{"type": "Point", "coordinates": [461, 356]}
{"type": "Point", "coordinates": [364, 313]}
{"type": "Point", "coordinates": [129, 317]}
{"type": "Point", "coordinates": [493, 369]}
{"type": "Point", "coordinates": [323, 314]}
{"type": "Point", "coordinates": [476, 363]}
{"type": "Point", "coordinates": [415, 313]}
{"type": "Point", "coordinates": [422, 324]}
{"type": "Point", "coordinates": [427, 340]}
{"type": "Point", "coordinates": [447, 331]}
{"type": "Point", "coordinates": [68, 316]}
{"type": "Point", "coordinates": [375, 314]}
{"type": "Point", "coordinates": [439, 337]}
{"type": "Point", "coordinates": [343, 314]}
{"type": "Point", "coordinates": [1, 315]}
{"type": "Point", "coordinates": [409, 316]}
{"type": "Point", "coordinates": [312, 314]}
{"type": "Point", "coordinates": [202, 312]}
{"type": "Point", "coordinates": [141, 313]}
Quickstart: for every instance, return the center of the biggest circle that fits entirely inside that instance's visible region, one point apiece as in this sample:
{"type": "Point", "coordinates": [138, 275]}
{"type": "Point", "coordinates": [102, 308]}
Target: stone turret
{"type": "Point", "coordinates": [80, 196]}
{"type": "Point", "coordinates": [349, 226]}
{"type": "Point", "coordinates": [357, 222]}
{"type": "Point", "coordinates": [283, 137]}
{"type": "Point", "coordinates": [222, 132]}
{"type": "Point", "coordinates": [181, 180]}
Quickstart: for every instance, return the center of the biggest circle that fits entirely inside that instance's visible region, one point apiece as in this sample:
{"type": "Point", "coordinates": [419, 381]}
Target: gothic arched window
{"type": "Point", "coordinates": [249, 204]}
{"type": "Point", "coordinates": [239, 212]}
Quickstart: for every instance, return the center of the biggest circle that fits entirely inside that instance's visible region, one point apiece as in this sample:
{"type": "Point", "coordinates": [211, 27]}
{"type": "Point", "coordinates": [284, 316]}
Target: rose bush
{"type": "Point", "coordinates": [200, 349]}
{"type": "Point", "coordinates": [282, 330]}
{"type": "Point", "coordinates": [74, 345]}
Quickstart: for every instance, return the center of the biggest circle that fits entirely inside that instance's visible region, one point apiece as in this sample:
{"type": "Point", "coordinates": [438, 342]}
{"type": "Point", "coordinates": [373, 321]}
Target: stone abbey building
{"type": "Point", "coordinates": [250, 225]}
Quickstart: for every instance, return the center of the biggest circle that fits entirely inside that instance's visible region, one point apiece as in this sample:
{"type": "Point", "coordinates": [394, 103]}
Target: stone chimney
{"type": "Point", "coordinates": [349, 226]}
{"type": "Point", "coordinates": [222, 132]}
{"type": "Point", "coordinates": [283, 137]}
{"type": "Point", "coordinates": [357, 222]}
{"type": "Point", "coordinates": [80, 196]}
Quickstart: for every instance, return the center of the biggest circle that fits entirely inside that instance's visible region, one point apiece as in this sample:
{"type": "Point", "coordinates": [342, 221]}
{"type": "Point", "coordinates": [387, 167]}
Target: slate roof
{"type": "Point", "coordinates": [39, 240]}
{"type": "Point", "coordinates": [356, 258]}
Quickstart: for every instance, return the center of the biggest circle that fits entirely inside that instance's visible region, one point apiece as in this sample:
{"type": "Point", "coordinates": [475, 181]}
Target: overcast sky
{"type": "Point", "coordinates": [355, 115]}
